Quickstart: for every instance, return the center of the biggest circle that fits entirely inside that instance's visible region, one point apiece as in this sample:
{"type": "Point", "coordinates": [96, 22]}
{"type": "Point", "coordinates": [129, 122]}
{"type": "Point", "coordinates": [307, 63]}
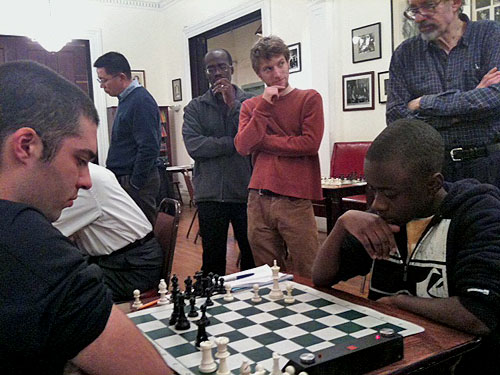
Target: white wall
{"type": "Point", "coordinates": [155, 40]}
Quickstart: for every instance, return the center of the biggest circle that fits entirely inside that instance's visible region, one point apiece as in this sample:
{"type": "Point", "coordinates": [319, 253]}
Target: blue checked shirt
{"type": "Point", "coordinates": [464, 115]}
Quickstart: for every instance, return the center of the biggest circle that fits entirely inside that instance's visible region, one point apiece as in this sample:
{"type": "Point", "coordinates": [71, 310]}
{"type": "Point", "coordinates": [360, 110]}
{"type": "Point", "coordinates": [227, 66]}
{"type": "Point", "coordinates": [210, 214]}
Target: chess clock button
{"type": "Point", "coordinates": [307, 358]}
{"type": "Point", "coordinates": [387, 332]}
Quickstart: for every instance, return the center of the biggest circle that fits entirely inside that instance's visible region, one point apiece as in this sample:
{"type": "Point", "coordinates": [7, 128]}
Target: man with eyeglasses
{"type": "Point", "coordinates": [136, 133]}
{"type": "Point", "coordinates": [220, 174]}
{"type": "Point", "coordinates": [448, 76]}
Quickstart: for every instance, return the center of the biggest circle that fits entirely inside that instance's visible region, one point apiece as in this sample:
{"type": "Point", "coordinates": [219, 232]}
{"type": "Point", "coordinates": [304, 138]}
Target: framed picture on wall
{"type": "Point", "coordinates": [358, 92]}
{"type": "Point", "coordinates": [295, 58]}
{"type": "Point", "coordinates": [401, 27]}
{"type": "Point", "coordinates": [383, 80]}
{"type": "Point", "coordinates": [177, 90]}
{"type": "Point", "coordinates": [366, 43]}
{"type": "Point", "coordinates": [140, 76]}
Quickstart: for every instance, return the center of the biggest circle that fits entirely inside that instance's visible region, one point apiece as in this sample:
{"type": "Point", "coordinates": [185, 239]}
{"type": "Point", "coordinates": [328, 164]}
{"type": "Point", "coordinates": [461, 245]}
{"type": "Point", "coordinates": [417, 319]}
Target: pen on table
{"type": "Point", "coordinates": [149, 304]}
{"type": "Point", "coordinates": [232, 278]}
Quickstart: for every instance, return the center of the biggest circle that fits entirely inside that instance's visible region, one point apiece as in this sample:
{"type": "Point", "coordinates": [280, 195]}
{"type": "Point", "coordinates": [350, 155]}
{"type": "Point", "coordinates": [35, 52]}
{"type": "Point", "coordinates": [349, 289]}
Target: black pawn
{"type": "Point", "coordinates": [182, 321]}
{"type": "Point", "coordinates": [208, 301]}
{"type": "Point", "coordinates": [201, 334]}
{"type": "Point", "coordinates": [192, 311]}
{"type": "Point", "coordinates": [189, 286]}
{"type": "Point", "coordinates": [221, 287]}
{"type": "Point", "coordinates": [203, 320]}
{"type": "Point", "coordinates": [174, 282]}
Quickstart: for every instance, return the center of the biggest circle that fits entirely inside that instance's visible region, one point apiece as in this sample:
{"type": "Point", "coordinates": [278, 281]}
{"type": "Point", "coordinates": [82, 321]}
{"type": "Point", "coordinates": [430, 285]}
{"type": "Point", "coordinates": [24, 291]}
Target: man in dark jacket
{"type": "Point", "coordinates": [136, 133]}
{"type": "Point", "coordinates": [434, 248]}
{"type": "Point", "coordinates": [220, 175]}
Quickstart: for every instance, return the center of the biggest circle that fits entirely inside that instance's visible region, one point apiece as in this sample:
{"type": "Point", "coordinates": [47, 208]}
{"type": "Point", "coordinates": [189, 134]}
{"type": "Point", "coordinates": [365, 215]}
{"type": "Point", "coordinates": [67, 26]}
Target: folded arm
{"type": "Point", "coordinates": [374, 234]}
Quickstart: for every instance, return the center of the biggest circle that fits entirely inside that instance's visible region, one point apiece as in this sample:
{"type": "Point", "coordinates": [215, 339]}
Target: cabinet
{"type": "Point", "coordinates": [165, 146]}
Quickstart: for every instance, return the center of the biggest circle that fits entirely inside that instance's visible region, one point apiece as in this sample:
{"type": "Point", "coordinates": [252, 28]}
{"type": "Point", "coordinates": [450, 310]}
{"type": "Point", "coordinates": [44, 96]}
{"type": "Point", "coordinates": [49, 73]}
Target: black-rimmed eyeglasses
{"type": "Point", "coordinates": [426, 8]}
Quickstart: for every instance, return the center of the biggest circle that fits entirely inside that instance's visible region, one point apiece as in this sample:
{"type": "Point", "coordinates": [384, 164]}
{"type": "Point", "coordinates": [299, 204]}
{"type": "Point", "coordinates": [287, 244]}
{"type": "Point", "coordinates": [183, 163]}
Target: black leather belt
{"type": "Point", "coordinates": [139, 242]}
{"type": "Point", "coordinates": [469, 153]}
{"type": "Point", "coordinates": [269, 193]}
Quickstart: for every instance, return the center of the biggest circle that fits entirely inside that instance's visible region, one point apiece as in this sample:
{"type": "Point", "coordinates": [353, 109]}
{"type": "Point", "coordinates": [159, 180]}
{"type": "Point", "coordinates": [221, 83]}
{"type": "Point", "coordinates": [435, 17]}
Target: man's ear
{"type": "Point", "coordinates": [435, 183]}
{"type": "Point", "coordinates": [26, 144]}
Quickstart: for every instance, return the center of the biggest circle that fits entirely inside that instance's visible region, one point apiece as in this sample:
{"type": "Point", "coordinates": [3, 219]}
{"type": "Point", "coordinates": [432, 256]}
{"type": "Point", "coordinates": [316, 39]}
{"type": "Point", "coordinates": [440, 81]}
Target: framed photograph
{"type": "Point", "coordinates": [383, 80]}
{"type": "Point", "coordinates": [402, 27]}
{"type": "Point", "coordinates": [177, 90]}
{"type": "Point", "coordinates": [140, 76]}
{"type": "Point", "coordinates": [295, 58]}
{"type": "Point", "coordinates": [366, 43]}
{"type": "Point", "coordinates": [357, 91]}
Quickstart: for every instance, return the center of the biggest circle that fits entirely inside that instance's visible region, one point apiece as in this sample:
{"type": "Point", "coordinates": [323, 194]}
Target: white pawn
{"type": "Point", "coordinates": [228, 297]}
{"type": "Point", "coordinates": [162, 289]}
{"type": "Point", "coordinates": [289, 298]}
{"type": "Point", "coordinates": [207, 364]}
{"type": "Point", "coordinates": [303, 373]}
{"type": "Point", "coordinates": [137, 299]}
{"type": "Point", "coordinates": [256, 297]}
{"type": "Point", "coordinates": [222, 355]}
{"type": "Point", "coordinates": [259, 370]}
{"type": "Point", "coordinates": [289, 370]}
{"type": "Point", "coordinates": [276, 364]}
{"type": "Point", "coordinates": [245, 368]}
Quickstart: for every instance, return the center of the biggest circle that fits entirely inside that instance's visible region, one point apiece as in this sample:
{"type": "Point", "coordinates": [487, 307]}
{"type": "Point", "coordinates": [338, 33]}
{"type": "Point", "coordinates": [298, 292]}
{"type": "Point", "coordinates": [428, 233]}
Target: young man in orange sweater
{"type": "Point", "coordinates": [282, 130]}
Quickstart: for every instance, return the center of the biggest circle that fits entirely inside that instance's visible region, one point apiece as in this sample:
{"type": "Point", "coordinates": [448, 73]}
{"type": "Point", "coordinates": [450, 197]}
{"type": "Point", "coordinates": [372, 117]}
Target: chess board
{"type": "Point", "coordinates": [315, 321]}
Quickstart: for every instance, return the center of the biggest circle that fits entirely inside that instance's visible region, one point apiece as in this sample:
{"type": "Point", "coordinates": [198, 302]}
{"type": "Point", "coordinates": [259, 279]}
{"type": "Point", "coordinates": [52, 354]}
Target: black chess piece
{"type": "Point", "coordinates": [182, 321]}
{"type": "Point", "coordinates": [204, 320]}
{"type": "Point", "coordinates": [201, 335]}
{"type": "Point", "coordinates": [174, 282]}
{"type": "Point", "coordinates": [197, 286]}
{"type": "Point", "coordinates": [189, 286]}
{"type": "Point", "coordinates": [175, 311]}
{"type": "Point", "coordinates": [192, 311]}
{"type": "Point", "coordinates": [208, 301]}
{"type": "Point", "coordinates": [216, 283]}
{"type": "Point", "coordinates": [221, 288]}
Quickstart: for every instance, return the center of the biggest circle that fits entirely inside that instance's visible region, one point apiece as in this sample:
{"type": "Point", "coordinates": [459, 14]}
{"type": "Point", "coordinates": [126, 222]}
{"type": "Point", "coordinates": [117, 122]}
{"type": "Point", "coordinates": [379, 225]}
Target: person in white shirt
{"type": "Point", "coordinates": [108, 226]}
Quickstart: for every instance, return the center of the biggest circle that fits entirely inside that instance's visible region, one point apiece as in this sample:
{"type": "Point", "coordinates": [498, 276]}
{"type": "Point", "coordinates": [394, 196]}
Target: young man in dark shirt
{"type": "Point", "coordinates": [55, 308]}
{"type": "Point", "coordinates": [433, 247]}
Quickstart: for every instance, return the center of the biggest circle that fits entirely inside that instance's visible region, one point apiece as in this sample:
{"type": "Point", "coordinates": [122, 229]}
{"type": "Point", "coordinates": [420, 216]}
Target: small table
{"type": "Point", "coordinates": [333, 194]}
{"type": "Point", "coordinates": [179, 169]}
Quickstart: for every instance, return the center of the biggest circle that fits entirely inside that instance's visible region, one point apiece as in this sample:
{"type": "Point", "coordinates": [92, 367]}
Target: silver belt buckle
{"type": "Point", "coordinates": [452, 153]}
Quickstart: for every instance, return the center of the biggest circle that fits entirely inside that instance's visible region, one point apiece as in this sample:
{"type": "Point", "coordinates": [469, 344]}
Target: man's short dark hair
{"type": "Point", "coordinates": [229, 57]}
{"type": "Point", "coordinates": [266, 48]}
{"type": "Point", "coordinates": [114, 63]}
{"type": "Point", "coordinates": [34, 96]}
{"type": "Point", "coordinates": [411, 142]}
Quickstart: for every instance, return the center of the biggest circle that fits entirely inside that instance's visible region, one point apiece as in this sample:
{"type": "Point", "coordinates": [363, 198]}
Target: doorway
{"type": "Point", "coordinates": [237, 37]}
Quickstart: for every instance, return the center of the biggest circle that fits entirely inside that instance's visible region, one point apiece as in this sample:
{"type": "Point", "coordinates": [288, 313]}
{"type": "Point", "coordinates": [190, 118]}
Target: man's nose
{"type": "Point", "coordinates": [84, 180]}
{"type": "Point", "coordinates": [379, 202]}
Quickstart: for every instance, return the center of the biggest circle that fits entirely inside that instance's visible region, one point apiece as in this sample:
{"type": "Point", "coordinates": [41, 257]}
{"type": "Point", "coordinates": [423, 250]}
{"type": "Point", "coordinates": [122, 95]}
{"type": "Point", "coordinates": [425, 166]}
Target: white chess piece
{"type": "Point", "coordinates": [276, 364]}
{"type": "Point", "coordinates": [222, 355]}
{"type": "Point", "coordinates": [207, 364]}
{"type": "Point", "coordinates": [289, 370]}
{"type": "Point", "coordinates": [137, 299]}
{"type": "Point", "coordinates": [245, 368]}
{"type": "Point", "coordinates": [276, 292]}
{"type": "Point", "coordinates": [228, 297]}
{"type": "Point", "coordinates": [289, 298]}
{"type": "Point", "coordinates": [256, 297]}
{"type": "Point", "coordinates": [303, 373]}
{"type": "Point", "coordinates": [259, 370]}
{"type": "Point", "coordinates": [162, 290]}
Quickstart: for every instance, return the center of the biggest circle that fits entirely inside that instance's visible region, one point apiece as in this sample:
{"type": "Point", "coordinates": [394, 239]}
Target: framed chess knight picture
{"type": "Point", "coordinates": [139, 76]}
{"type": "Point", "coordinates": [366, 43]}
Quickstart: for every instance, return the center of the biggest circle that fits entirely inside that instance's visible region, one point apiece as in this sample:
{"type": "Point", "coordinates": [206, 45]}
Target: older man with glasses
{"type": "Point", "coordinates": [221, 175]}
{"type": "Point", "coordinates": [448, 76]}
